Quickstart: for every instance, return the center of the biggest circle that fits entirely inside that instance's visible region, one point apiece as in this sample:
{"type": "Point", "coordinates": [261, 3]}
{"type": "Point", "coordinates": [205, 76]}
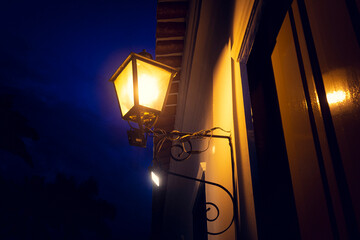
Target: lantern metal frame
{"type": "Point", "coordinates": [142, 115]}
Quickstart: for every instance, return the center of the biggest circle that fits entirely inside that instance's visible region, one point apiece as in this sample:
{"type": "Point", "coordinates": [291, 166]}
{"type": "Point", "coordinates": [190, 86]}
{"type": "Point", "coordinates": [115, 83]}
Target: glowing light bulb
{"type": "Point", "coordinates": [148, 90]}
{"type": "Point", "coordinates": [336, 97]}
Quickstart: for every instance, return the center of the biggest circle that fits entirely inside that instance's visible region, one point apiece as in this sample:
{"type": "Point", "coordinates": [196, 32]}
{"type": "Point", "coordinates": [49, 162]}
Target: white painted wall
{"type": "Point", "coordinates": [211, 95]}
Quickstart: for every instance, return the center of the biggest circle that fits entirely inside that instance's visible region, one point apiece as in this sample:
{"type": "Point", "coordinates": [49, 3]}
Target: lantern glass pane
{"type": "Point", "coordinates": [124, 89]}
{"type": "Point", "coordinates": [153, 83]}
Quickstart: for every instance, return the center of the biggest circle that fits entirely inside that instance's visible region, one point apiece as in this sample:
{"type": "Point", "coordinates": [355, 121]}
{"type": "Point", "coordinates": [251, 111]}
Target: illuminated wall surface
{"type": "Point", "coordinates": [207, 101]}
{"type": "Point", "coordinates": [212, 94]}
{"type": "Point", "coordinates": [219, 164]}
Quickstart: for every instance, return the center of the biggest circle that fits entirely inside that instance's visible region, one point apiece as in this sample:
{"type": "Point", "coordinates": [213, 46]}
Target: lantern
{"type": "Point", "coordinates": [142, 86]}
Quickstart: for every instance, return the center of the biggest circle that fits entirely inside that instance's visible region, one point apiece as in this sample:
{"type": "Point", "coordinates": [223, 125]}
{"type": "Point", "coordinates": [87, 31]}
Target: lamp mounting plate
{"type": "Point", "coordinates": [136, 138]}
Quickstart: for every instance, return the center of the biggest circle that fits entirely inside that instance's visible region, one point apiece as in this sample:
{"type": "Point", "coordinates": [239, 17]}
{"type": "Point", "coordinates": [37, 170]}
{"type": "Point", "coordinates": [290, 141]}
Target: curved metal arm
{"type": "Point", "coordinates": [209, 203]}
{"type": "Point", "coordinates": [183, 138]}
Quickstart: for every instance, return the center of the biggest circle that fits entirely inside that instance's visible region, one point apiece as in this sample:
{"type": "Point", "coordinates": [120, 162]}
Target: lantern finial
{"type": "Point", "coordinates": [144, 53]}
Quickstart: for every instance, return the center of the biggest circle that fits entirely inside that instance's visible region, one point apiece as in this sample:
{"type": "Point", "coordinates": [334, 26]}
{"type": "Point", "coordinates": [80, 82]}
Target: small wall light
{"type": "Point", "coordinates": [155, 178]}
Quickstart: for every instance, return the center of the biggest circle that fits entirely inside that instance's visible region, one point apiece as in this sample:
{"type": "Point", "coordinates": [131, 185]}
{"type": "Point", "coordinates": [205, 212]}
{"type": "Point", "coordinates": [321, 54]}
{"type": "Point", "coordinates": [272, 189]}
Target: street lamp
{"type": "Point", "coordinates": [142, 85]}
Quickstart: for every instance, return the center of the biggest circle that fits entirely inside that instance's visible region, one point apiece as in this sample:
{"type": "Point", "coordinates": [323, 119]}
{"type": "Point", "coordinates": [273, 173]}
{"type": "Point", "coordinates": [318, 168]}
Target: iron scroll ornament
{"type": "Point", "coordinates": [209, 203]}
{"type": "Point", "coordinates": [183, 143]}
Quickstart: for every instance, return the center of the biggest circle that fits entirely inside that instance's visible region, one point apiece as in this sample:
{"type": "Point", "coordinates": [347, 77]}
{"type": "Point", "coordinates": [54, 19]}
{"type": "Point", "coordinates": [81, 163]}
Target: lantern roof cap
{"type": "Point", "coordinates": [133, 55]}
{"type": "Point", "coordinates": [144, 53]}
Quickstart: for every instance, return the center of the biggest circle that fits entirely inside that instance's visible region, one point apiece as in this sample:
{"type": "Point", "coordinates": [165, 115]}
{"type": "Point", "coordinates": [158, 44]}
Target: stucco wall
{"type": "Point", "coordinates": [211, 95]}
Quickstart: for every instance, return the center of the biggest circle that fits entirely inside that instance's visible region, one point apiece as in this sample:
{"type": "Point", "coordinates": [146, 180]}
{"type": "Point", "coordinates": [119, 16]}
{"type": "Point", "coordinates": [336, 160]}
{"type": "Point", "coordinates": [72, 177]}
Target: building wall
{"type": "Point", "coordinates": [210, 95]}
{"type": "Point", "coordinates": [235, 74]}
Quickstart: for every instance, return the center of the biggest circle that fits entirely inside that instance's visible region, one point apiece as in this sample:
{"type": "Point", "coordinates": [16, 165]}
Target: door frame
{"type": "Point", "coordinates": [275, 208]}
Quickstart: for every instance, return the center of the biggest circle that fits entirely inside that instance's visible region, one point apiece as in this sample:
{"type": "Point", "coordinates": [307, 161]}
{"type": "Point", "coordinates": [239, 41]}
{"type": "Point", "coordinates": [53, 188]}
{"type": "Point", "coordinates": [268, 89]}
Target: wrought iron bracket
{"type": "Point", "coordinates": [183, 143]}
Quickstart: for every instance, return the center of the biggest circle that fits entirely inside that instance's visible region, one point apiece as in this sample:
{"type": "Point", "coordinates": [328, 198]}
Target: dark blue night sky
{"type": "Point", "coordinates": [55, 61]}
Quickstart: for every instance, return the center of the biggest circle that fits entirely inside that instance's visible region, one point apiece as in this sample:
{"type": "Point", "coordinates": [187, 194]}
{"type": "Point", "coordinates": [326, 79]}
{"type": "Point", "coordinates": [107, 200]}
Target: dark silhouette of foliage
{"type": "Point", "coordinates": [35, 209]}
{"type": "Point", "coordinates": [13, 127]}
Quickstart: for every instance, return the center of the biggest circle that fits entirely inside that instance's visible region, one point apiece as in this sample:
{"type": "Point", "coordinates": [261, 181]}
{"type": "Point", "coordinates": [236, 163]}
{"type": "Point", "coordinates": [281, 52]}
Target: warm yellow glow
{"type": "Point", "coordinates": [336, 97]}
{"type": "Point", "coordinates": [153, 83]}
{"type": "Point", "coordinates": [148, 89]}
{"type": "Point", "coordinates": [124, 89]}
{"type": "Point", "coordinates": [203, 166]}
{"type": "Point", "coordinates": [155, 179]}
